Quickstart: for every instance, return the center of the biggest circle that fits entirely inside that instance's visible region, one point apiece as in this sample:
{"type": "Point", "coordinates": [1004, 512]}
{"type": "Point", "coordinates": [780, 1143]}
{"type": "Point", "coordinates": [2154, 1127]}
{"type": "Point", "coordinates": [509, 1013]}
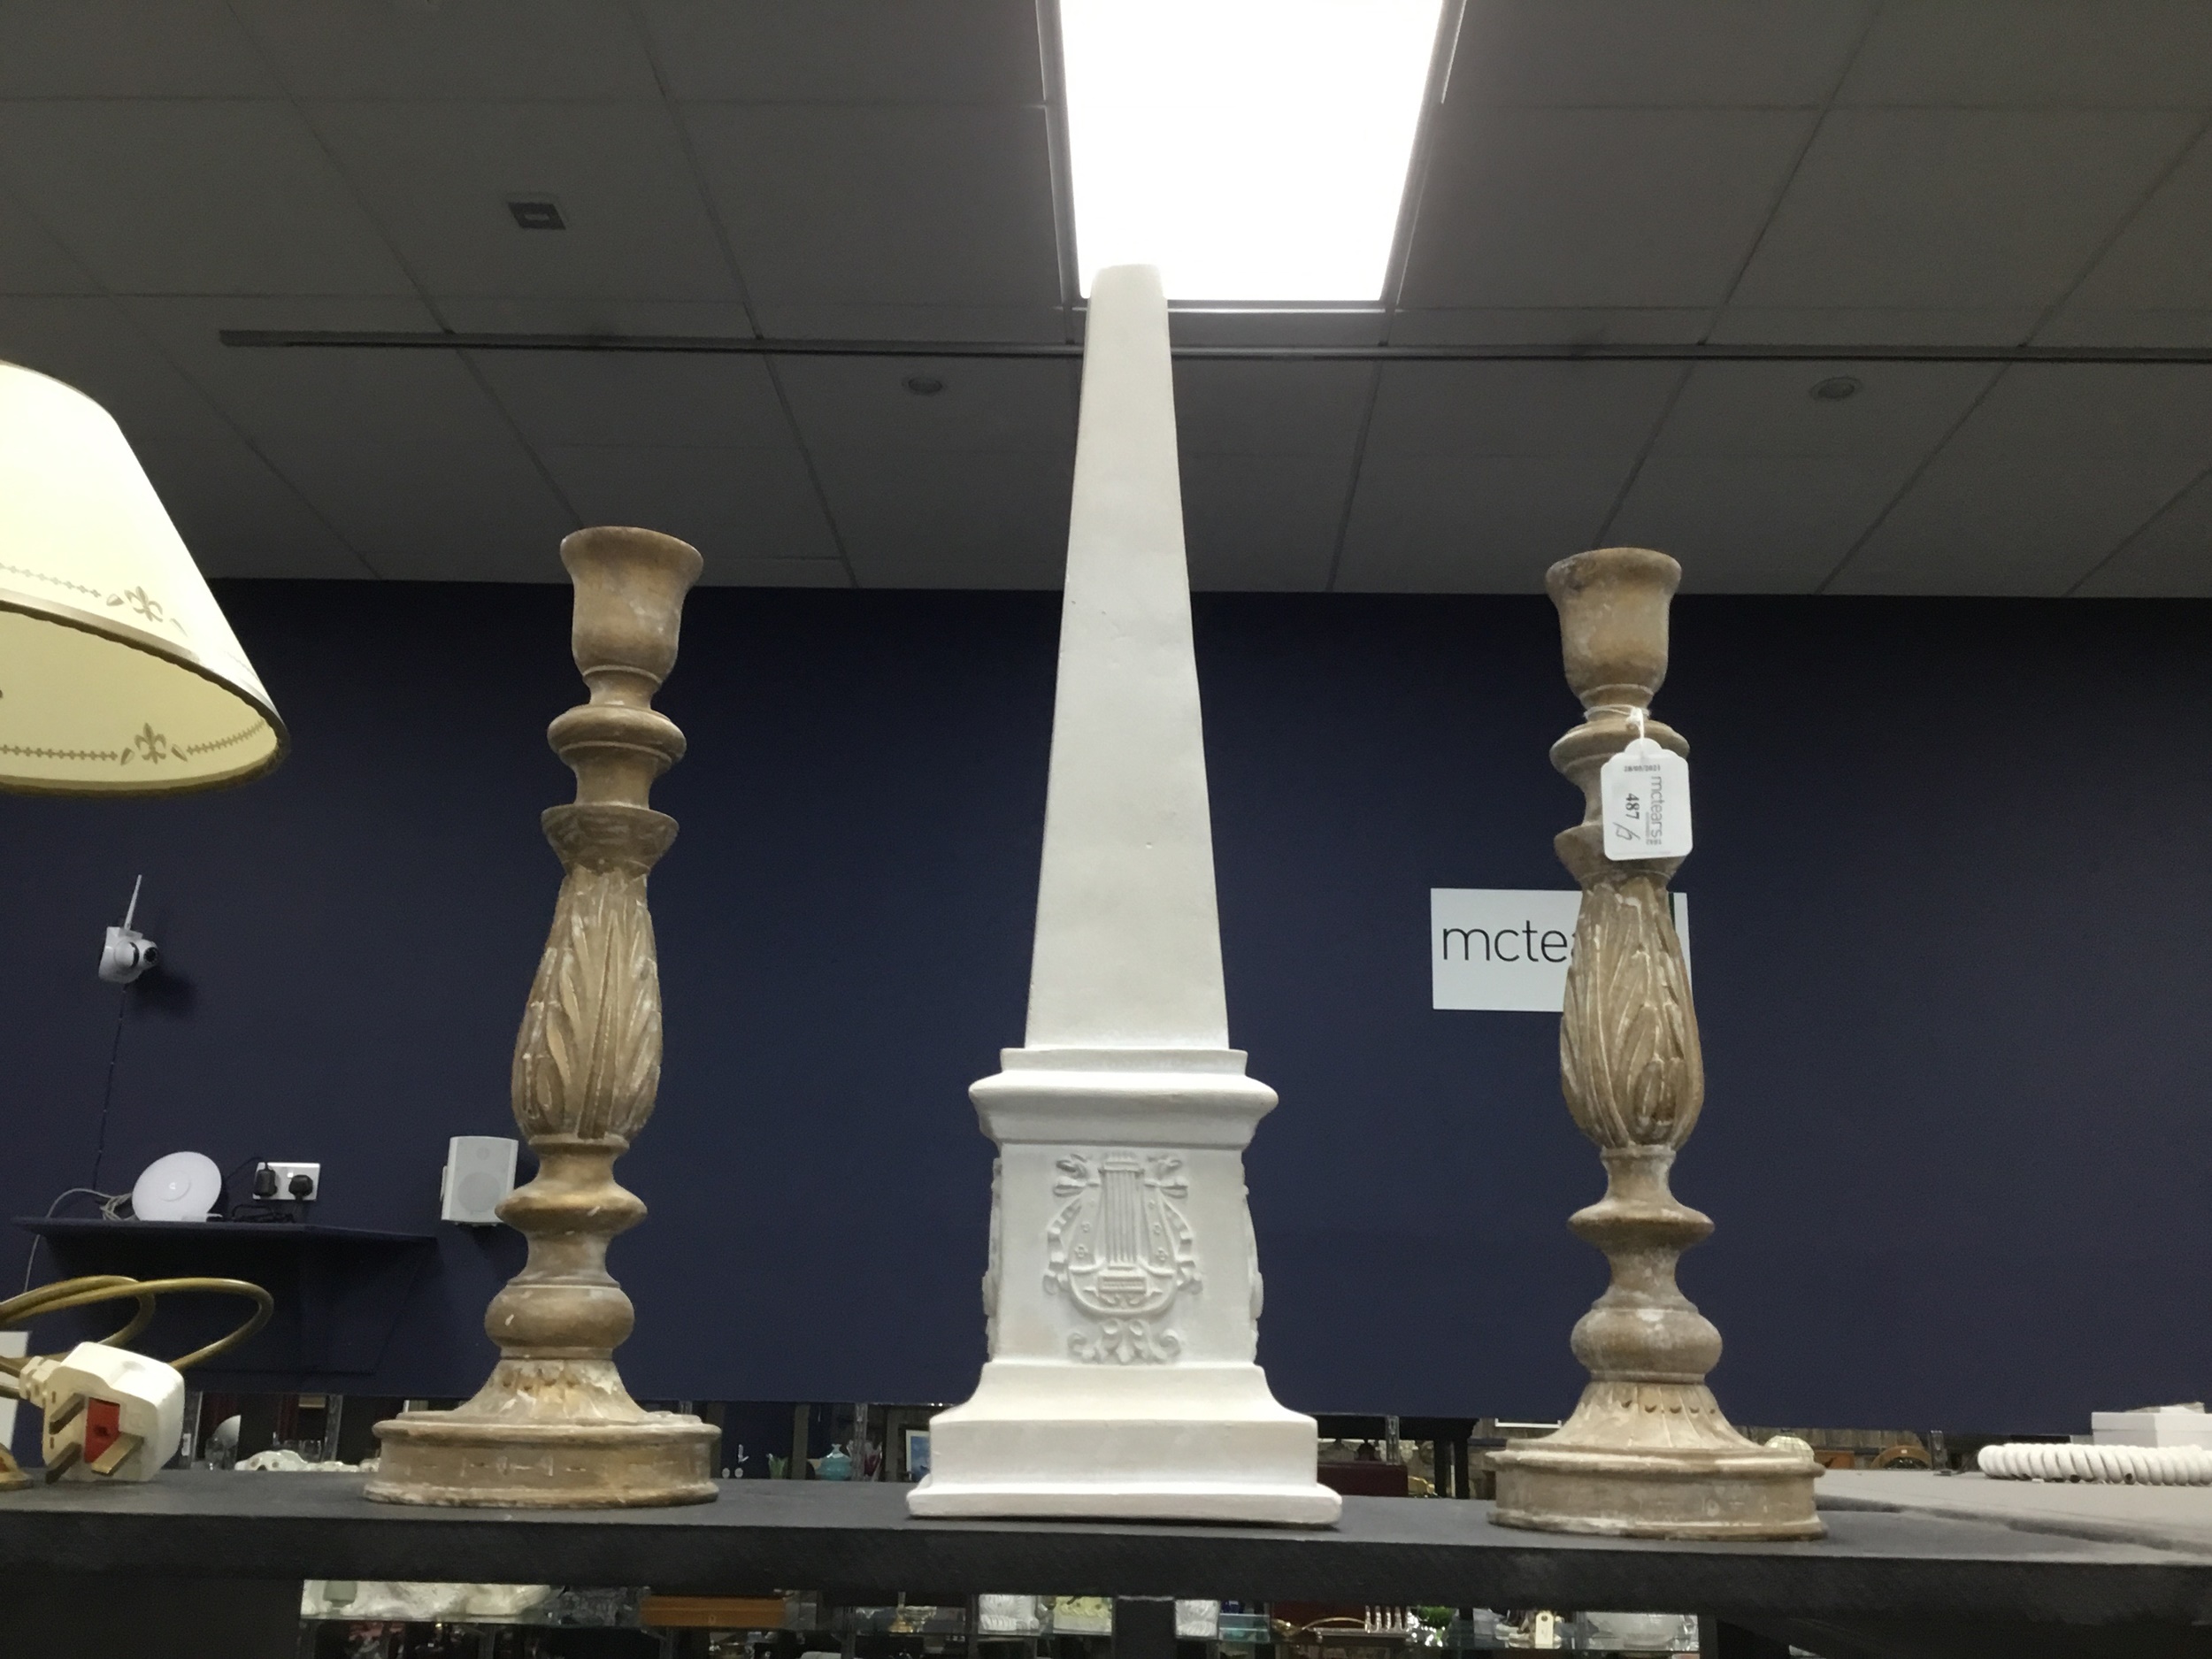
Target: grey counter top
{"type": "Point", "coordinates": [858, 1541]}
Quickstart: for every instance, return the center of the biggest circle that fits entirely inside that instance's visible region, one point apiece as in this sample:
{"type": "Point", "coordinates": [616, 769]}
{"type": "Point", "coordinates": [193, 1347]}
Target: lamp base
{"type": "Point", "coordinates": [1194, 1443]}
{"type": "Point", "coordinates": [546, 1435]}
{"type": "Point", "coordinates": [1654, 1460]}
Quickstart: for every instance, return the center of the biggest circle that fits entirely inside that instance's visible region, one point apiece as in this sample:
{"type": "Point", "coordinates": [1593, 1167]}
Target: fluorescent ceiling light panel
{"type": "Point", "coordinates": [1255, 151]}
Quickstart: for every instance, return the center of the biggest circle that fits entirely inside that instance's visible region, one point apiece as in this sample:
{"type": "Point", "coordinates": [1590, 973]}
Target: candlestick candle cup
{"type": "Point", "coordinates": [1647, 1453]}
{"type": "Point", "coordinates": [554, 1427]}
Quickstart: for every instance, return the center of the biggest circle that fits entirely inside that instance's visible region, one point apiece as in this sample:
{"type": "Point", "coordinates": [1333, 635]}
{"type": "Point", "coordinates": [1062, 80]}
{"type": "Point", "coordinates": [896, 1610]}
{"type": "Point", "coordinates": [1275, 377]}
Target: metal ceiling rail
{"type": "Point", "coordinates": [746, 345]}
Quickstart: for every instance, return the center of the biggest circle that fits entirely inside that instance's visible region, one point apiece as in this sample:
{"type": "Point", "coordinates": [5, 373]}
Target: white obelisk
{"type": "Point", "coordinates": [1122, 1299]}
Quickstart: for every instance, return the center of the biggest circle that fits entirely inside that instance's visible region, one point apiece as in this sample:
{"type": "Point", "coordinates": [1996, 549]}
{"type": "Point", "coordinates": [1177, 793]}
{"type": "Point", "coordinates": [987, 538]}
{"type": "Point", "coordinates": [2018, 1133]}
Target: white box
{"type": "Point", "coordinates": [2159, 1425]}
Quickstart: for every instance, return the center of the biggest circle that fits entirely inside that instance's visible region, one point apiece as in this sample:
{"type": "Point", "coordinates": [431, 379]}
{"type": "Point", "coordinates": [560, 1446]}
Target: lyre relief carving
{"type": "Point", "coordinates": [1122, 1251]}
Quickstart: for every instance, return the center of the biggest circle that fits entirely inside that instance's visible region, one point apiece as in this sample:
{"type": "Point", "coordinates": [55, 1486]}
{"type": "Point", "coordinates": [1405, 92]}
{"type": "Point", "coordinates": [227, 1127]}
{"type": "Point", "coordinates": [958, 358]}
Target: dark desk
{"type": "Point", "coordinates": [1882, 1583]}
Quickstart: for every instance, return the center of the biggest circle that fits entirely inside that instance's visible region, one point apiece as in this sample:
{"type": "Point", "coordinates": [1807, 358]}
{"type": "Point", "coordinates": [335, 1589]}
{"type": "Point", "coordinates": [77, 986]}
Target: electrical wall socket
{"type": "Point", "coordinates": [284, 1173]}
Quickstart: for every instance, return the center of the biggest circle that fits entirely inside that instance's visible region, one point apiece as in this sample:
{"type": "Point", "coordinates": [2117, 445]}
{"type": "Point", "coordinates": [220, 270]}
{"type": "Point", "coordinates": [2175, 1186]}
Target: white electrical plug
{"type": "Point", "coordinates": [111, 1414]}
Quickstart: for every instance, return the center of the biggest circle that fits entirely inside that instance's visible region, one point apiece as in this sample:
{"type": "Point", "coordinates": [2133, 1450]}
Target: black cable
{"type": "Point", "coordinates": [107, 1096]}
{"type": "Point", "coordinates": [231, 1206]}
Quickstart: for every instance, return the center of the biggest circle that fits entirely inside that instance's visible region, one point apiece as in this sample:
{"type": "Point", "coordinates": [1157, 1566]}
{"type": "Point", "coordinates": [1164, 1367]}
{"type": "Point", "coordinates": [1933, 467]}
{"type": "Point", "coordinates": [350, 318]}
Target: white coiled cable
{"type": "Point", "coordinates": [2125, 1465]}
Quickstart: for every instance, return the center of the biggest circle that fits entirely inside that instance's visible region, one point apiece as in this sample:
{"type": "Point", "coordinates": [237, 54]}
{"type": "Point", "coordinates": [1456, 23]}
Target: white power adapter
{"type": "Point", "coordinates": [111, 1414]}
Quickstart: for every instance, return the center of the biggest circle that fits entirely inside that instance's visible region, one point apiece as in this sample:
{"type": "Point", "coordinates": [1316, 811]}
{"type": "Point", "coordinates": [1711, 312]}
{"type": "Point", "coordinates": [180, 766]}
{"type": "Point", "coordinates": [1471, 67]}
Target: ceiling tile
{"type": "Point", "coordinates": [1472, 523]}
{"type": "Point", "coordinates": [849, 51]}
{"type": "Point", "coordinates": [237, 517]}
{"type": "Point", "coordinates": [638, 399]}
{"type": "Point", "coordinates": [234, 513]}
{"type": "Point", "coordinates": [439, 176]}
{"type": "Point", "coordinates": [339, 399]}
{"type": "Point", "coordinates": [32, 262]}
{"type": "Point", "coordinates": [2053, 412]}
{"type": "Point", "coordinates": [1874, 326]}
{"type": "Point", "coordinates": [2057, 465]}
{"type": "Point", "coordinates": [2018, 523]}
{"type": "Point", "coordinates": [2163, 258]}
{"type": "Point", "coordinates": [738, 507]}
{"type": "Point", "coordinates": [2170, 558]}
{"type": "Point", "coordinates": [862, 404]}
{"type": "Point", "coordinates": [1551, 326]}
{"type": "Point", "coordinates": [194, 198]}
{"type": "Point", "coordinates": [912, 519]}
{"type": "Point", "coordinates": [1711, 53]}
{"type": "Point", "coordinates": [475, 49]}
{"type": "Point", "coordinates": [93, 345]}
{"type": "Point", "coordinates": [418, 511]}
{"type": "Point", "coordinates": [128, 49]}
{"type": "Point", "coordinates": [1452, 409]}
{"type": "Point", "coordinates": [2144, 54]}
{"type": "Point", "coordinates": [1767, 408]}
{"type": "Point", "coordinates": [2090, 325]}
{"type": "Point", "coordinates": [883, 205]}
{"type": "Point", "coordinates": [1758, 524]}
{"type": "Point", "coordinates": [1261, 523]}
{"type": "Point", "coordinates": [1270, 409]}
{"type": "Point", "coordinates": [1955, 208]}
{"type": "Point", "coordinates": [1605, 208]}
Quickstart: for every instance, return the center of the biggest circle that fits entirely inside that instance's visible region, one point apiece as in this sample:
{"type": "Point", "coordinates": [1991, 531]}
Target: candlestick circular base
{"type": "Point", "coordinates": [1621, 1495]}
{"type": "Point", "coordinates": [1656, 1489]}
{"type": "Point", "coordinates": [443, 1457]}
{"type": "Point", "coordinates": [1654, 1460]}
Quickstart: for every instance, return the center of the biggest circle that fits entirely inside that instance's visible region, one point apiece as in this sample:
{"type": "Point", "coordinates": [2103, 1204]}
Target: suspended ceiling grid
{"type": "Point", "coordinates": [1819, 173]}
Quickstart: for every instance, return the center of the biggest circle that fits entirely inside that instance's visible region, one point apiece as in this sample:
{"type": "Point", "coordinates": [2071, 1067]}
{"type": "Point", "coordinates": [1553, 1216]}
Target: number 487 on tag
{"type": "Point", "coordinates": [1644, 801]}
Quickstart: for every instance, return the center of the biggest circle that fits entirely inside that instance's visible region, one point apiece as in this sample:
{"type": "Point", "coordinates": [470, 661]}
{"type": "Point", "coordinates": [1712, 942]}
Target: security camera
{"type": "Point", "coordinates": [127, 952]}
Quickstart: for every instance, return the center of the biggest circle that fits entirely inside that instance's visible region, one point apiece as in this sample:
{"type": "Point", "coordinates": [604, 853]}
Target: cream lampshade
{"type": "Point", "coordinates": [118, 673]}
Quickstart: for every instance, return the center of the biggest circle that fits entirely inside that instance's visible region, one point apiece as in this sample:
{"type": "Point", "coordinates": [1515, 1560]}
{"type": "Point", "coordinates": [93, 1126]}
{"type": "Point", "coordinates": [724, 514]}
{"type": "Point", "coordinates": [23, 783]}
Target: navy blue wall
{"type": "Point", "coordinates": [1949, 906]}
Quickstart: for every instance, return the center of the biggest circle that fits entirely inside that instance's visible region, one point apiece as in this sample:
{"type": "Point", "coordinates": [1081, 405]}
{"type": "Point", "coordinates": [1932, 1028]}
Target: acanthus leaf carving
{"type": "Point", "coordinates": [1631, 1066]}
{"type": "Point", "coordinates": [588, 1057]}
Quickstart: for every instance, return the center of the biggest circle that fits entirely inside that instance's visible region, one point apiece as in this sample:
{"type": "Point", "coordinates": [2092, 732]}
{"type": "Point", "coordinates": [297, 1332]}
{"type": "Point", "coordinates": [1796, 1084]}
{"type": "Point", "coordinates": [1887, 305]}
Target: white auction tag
{"type": "Point", "coordinates": [1644, 798]}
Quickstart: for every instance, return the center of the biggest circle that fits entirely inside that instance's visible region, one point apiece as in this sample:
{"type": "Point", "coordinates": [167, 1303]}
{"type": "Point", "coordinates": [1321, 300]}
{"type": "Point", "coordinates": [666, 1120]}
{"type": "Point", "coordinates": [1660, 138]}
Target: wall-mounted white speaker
{"type": "Point", "coordinates": [479, 1171]}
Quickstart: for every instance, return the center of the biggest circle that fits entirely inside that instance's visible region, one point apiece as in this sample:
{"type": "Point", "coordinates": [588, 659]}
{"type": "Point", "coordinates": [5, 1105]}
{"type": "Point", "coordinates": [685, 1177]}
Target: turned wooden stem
{"type": "Point", "coordinates": [588, 1058]}
{"type": "Point", "coordinates": [1629, 1059]}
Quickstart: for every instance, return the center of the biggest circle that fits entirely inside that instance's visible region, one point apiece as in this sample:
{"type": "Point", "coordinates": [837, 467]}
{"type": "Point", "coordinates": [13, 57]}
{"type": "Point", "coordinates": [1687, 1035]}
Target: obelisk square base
{"type": "Point", "coordinates": [1193, 1442]}
{"type": "Point", "coordinates": [1689, 1475]}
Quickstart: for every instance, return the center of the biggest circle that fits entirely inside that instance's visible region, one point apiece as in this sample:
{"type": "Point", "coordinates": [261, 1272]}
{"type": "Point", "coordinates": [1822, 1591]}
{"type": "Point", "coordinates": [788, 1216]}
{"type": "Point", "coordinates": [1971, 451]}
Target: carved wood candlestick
{"type": "Point", "coordinates": [554, 1427]}
{"type": "Point", "coordinates": [1647, 1453]}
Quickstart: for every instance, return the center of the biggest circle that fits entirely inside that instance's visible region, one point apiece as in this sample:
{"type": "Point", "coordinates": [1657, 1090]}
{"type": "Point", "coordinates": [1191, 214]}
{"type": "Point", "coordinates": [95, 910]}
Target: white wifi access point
{"type": "Point", "coordinates": [182, 1186]}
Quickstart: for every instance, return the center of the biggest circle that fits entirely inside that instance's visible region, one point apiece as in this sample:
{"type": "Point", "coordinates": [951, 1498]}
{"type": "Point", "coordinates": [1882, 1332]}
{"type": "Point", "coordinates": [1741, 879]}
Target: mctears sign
{"type": "Point", "coordinates": [1508, 948]}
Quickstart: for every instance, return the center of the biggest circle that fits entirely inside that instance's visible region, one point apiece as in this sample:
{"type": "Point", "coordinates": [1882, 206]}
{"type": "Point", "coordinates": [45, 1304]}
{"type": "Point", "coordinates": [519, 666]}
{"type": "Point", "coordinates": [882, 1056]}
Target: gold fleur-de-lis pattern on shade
{"type": "Point", "coordinates": [151, 745]}
{"type": "Point", "coordinates": [146, 744]}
